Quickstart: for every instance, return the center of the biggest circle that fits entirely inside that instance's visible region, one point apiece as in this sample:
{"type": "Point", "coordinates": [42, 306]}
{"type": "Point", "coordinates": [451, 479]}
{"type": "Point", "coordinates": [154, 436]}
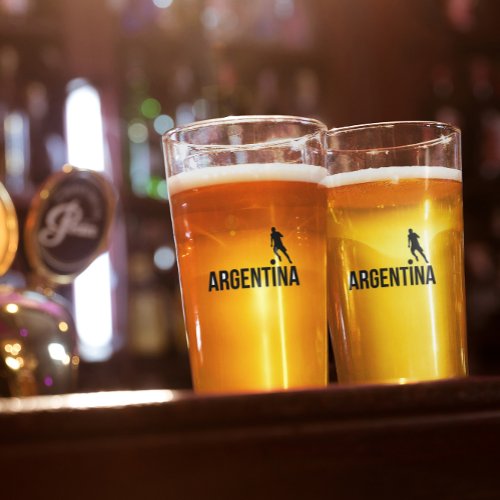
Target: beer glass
{"type": "Point", "coordinates": [248, 213]}
{"type": "Point", "coordinates": [395, 252]}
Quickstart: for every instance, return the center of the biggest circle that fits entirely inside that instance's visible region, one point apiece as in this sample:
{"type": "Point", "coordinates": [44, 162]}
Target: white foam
{"type": "Point", "coordinates": [393, 174]}
{"type": "Point", "coordinates": [249, 172]}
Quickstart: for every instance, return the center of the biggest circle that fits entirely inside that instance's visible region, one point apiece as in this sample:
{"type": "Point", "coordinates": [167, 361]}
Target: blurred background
{"type": "Point", "coordinates": [96, 83]}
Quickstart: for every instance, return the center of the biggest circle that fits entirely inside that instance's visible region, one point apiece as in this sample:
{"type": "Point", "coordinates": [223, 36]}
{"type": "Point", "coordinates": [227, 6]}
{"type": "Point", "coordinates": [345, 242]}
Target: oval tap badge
{"type": "Point", "coordinates": [68, 223]}
{"type": "Point", "coordinates": [9, 231]}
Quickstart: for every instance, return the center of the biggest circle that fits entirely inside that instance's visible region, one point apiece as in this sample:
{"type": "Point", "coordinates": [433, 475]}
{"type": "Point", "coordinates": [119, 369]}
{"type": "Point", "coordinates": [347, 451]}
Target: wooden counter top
{"type": "Point", "coordinates": [430, 440]}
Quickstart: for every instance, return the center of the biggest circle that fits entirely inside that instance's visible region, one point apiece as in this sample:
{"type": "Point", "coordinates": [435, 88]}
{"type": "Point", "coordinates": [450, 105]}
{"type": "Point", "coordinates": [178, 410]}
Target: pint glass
{"type": "Point", "coordinates": [395, 252]}
{"type": "Point", "coordinates": [248, 213]}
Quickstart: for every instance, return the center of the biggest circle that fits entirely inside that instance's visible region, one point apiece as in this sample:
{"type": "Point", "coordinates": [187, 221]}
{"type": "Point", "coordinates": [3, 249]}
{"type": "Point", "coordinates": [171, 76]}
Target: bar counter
{"type": "Point", "coordinates": [427, 440]}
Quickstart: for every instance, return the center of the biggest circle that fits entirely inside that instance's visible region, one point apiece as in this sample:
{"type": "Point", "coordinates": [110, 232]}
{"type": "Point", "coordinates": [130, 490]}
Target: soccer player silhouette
{"type": "Point", "coordinates": [414, 245]}
{"type": "Point", "coordinates": [277, 244]}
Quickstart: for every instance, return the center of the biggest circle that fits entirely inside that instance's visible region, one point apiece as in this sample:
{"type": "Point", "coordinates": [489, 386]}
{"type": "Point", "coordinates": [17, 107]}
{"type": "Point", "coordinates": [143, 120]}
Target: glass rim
{"type": "Point", "coordinates": [451, 130]}
{"type": "Point", "coordinates": [171, 137]}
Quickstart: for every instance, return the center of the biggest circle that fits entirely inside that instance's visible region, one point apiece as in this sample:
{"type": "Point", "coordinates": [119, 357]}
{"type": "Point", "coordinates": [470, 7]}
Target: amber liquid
{"type": "Point", "coordinates": [390, 324]}
{"type": "Point", "coordinates": [245, 334]}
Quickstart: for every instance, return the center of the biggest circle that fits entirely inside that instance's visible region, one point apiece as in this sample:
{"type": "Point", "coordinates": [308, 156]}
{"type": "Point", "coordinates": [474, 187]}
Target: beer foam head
{"type": "Point", "coordinates": [251, 172]}
{"type": "Point", "coordinates": [392, 174]}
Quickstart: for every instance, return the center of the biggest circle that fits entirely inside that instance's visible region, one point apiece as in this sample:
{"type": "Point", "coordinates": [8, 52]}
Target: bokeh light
{"type": "Point", "coordinates": [137, 132]}
{"type": "Point", "coordinates": [161, 189]}
{"type": "Point", "coordinates": [162, 123]}
{"type": "Point", "coordinates": [184, 114]}
{"type": "Point", "coordinates": [164, 258]}
{"type": "Point", "coordinates": [150, 107]}
{"type": "Point", "coordinates": [200, 109]}
{"type": "Point", "coordinates": [163, 4]}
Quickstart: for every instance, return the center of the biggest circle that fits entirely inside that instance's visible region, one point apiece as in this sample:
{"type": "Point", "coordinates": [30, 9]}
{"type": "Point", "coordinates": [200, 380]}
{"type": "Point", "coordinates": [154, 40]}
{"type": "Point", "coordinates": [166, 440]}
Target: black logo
{"type": "Point", "coordinates": [384, 277]}
{"type": "Point", "coordinates": [278, 246]}
{"type": "Point", "coordinates": [257, 277]}
{"type": "Point", "coordinates": [414, 246]}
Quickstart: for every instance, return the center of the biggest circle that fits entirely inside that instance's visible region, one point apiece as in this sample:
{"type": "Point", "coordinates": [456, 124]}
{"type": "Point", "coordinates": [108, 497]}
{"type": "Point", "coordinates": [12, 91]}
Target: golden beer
{"type": "Point", "coordinates": [252, 257]}
{"type": "Point", "coordinates": [395, 274]}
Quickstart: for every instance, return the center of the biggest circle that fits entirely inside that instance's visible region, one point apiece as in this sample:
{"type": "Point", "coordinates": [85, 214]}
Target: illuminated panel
{"type": "Point", "coordinates": [92, 289]}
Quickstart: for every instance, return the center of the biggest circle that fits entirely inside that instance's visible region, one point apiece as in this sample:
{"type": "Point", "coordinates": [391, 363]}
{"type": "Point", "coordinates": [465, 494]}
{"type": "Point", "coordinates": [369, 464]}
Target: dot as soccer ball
{"type": "Point", "coordinates": [273, 262]}
{"type": "Point", "coordinates": [410, 262]}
